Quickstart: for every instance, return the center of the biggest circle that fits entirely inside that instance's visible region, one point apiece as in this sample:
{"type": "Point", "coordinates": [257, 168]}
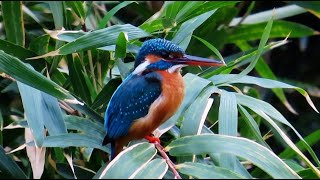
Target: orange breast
{"type": "Point", "coordinates": [163, 108]}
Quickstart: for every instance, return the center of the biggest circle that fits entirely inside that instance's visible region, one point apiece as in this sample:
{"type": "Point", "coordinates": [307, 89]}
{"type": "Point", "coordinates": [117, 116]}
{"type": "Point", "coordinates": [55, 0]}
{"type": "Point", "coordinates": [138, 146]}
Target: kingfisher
{"type": "Point", "coordinates": [150, 95]}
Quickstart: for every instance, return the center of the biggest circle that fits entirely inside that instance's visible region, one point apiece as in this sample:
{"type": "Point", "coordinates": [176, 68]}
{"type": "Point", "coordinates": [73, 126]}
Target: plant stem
{"type": "Point", "coordinates": [169, 162]}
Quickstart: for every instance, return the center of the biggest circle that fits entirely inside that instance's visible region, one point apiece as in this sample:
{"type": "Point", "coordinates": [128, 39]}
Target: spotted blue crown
{"type": "Point", "coordinates": [158, 47]}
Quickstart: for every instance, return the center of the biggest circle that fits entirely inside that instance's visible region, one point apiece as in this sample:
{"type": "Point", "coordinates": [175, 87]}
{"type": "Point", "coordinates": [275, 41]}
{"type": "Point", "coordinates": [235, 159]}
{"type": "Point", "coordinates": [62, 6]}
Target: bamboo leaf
{"type": "Point", "coordinates": [77, 78]}
{"type": "Point", "coordinates": [189, 26]}
{"type": "Point", "coordinates": [203, 171]}
{"type": "Point", "coordinates": [54, 121]}
{"type": "Point", "coordinates": [132, 159]}
{"type": "Point", "coordinates": [98, 38]}
{"type": "Point", "coordinates": [228, 124]}
{"type": "Point", "coordinates": [57, 12]}
{"type": "Point", "coordinates": [280, 28]}
{"type": "Point", "coordinates": [279, 13]}
{"type": "Point", "coordinates": [9, 168]}
{"type": "Point", "coordinates": [32, 104]}
{"type": "Point", "coordinates": [112, 12]}
{"type": "Point", "coordinates": [312, 6]}
{"type": "Point", "coordinates": [21, 72]}
{"type": "Point", "coordinates": [36, 156]}
{"type": "Point", "coordinates": [155, 169]}
{"type": "Point", "coordinates": [263, 82]}
{"type": "Point", "coordinates": [105, 94]}
{"type": "Point", "coordinates": [265, 110]}
{"type": "Point", "coordinates": [13, 21]}
{"type": "Point", "coordinates": [78, 7]}
{"type": "Point", "coordinates": [311, 139]}
{"type": "Point", "coordinates": [216, 143]}
{"type": "Point", "coordinates": [85, 125]}
{"type": "Point", "coordinates": [212, 48]}
{"type": "Point", "coordinates": [74, 140]}
{"type": "Point", "coordinates": [121, 46]}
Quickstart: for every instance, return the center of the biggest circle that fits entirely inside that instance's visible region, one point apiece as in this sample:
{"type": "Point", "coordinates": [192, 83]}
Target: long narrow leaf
{"type": "Point", "coordinates": [13, 21]}
{"type": "Point", "coordinates": [9, 168]}
{"type": "Point", "coordinates": [74, 140]}
{"type": "Point", "coordinates": [32, 104]}
{"type": "Point", "coordinates": [155, 169]}
{"type": "Point", "coordinates": [98, 38]}
{"type": "Point", "coordinates": [215, 143]}
{"type": "Point", "coordinates": [263, 82]}
{"type": "Point", "coordinates": [132, 160]}
{"type": "Point", "coordinates": [228, 124]}
{"type": "Point", "coordinates": [21, 72]}
{"type": "Point", "coordinates": [112, 12]}
{"type": "Point", "coordinates": [203, 171]}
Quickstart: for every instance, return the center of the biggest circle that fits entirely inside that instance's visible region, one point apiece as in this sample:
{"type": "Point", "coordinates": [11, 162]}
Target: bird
{"type": "Point", "coordinates": [149, 95]}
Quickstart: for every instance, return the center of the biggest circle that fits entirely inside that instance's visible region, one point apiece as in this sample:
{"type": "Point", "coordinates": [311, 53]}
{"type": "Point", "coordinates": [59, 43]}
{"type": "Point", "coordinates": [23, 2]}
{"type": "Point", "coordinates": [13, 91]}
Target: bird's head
{"type": "Point", "coordinates": [161, 54]}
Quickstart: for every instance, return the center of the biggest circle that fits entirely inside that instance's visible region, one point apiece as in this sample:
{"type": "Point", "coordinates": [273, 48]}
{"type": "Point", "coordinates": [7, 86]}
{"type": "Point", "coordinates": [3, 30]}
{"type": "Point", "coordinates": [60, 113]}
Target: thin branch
{"type": "Point", "coordinates": [169, 162]}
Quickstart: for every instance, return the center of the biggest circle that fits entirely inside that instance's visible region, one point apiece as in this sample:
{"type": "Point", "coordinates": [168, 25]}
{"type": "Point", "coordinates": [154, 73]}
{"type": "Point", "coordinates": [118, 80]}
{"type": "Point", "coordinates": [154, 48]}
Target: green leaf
{"type": "Point", "coordinates": [278, 13]}
{"type": "Point", "coordinates": [85, 125]}
{"type": "Point", "coordinates": [131, 160]}
{"type": "Point", "coordinates": [112, 12]}
{"type": "Point", "coordinates": [74, 140]}
{"type": "Point", "coordinates": [77, 78]}
{"type": "Point", "coordinates": [98, 38]}
{"type": "Point", "coordinates": [264, 70]}
{"type": "Point", "coordinates": [40, 45]}
{"type": "Point", "coordinates": [240, 59]}
{"type": "Point", "coordinates": [78, 7]}
{"type": "Point", "coordinates": [251, 123]}
{"type": "Point", "coordinates": [121, 46]}
{"type": "Point", "coordinates": [311, 139]}
{"type": "Point", "coordinates": [81, 172]}
{"type": "Point", "coordinates": [13, 21]}
{"type": "Point", "coordinates": [32, 104]}
{"type": "Point", "coordinates": [263, 82]}
{"type": "Point", "coordinates": [262, 44]}
{"type": "Point", "coordinates": [228, 124]}
{"type": "Point", "coordinates": [105, 94]}
{"type": "Point", "coordinates": [21, 72]}
{"type": "Point", "coordinates": [265, 110]}
{"type": "Point", "coordinates": [247, 149]}
{"type": "Point", "coordinates": [280, 28]}
{"type": "Point", "coordinates": [54, 121]}
{"type": "Point", "coordinates": [9, 168]}
{"type": "Point", "coordinates": [155, 169]}
{"type": "Point", "coordinates": [203, 171]}
{"type": "Point", "coordinates": [312, 6]}
{"type": "Point", "coordinates": [57, 13]}
{"type": "Point", "coordinates": [212, 48]}
{"type": "Point", "coordinates": [205, 7]}
{"type": "Point", "coordinates": [194, 115]}
{"type": "Point", "coordinates": [189, 26]}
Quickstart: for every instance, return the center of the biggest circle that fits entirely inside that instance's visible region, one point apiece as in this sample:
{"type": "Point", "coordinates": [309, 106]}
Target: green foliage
{"type": "Point", "coordinates": [63, 60]}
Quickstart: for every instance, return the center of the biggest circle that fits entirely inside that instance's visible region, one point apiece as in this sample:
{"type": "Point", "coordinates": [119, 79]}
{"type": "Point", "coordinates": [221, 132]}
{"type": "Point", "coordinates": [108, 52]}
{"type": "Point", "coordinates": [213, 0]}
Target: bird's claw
{"type": "Point", "coordinates": [152, 139]}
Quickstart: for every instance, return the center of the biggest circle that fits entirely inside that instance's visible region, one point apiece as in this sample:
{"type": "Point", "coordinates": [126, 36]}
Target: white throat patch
{"type": "Point", "coordinates": [139, 69]}
{"type": "Point", "coordinates": [176, 68]}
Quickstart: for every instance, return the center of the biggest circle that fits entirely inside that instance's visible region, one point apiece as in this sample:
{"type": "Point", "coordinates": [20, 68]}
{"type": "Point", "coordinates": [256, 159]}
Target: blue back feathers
{"type": "Point", "coordinates": [131, 101]}
{"type": "Point", "coordinates": [159, 47]}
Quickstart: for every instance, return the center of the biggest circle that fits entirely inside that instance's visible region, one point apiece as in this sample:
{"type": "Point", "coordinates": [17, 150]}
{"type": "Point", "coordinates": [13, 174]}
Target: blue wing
{"type": "Point", "coordinates": [131, 101]}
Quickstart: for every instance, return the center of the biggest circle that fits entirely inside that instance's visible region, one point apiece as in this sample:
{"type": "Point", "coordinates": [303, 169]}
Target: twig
{"type": "Point", "coordinates": [169, 162]}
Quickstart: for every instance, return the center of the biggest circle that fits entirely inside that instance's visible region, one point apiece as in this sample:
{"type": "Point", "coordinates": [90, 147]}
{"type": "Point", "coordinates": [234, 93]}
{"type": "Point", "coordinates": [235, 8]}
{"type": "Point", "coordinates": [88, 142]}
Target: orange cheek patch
{"type": "Point", "coordinates": [152, 58]}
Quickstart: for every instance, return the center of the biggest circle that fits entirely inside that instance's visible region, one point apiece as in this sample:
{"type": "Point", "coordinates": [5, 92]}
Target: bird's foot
{"type": "Point", "coordinates": [152, 139]}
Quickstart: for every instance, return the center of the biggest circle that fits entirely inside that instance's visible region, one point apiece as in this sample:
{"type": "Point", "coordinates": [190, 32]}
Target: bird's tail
{"type": "Point", "coordinates": [108, 140]}
{"type": "Point", "coordinates": [113, 150]}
